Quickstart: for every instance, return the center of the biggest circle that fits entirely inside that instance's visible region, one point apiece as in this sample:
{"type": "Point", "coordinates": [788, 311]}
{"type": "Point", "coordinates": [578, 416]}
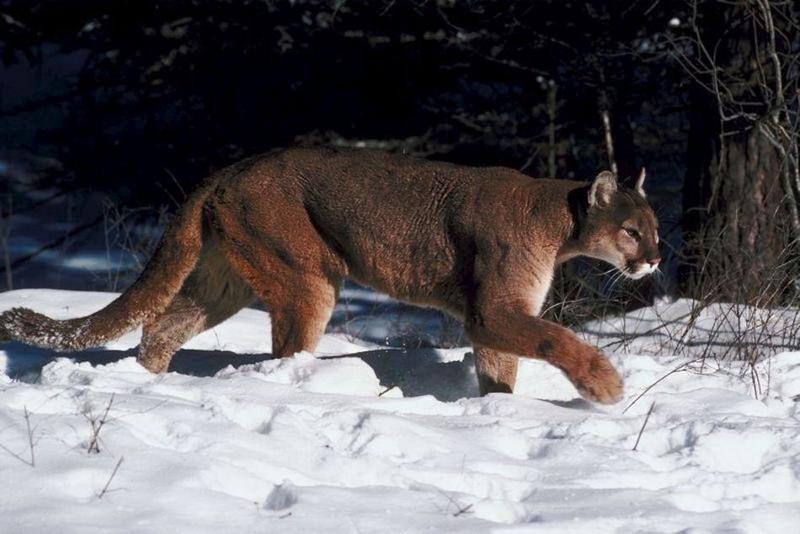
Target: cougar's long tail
{"type": "Point", "coordinates": [150, 295]}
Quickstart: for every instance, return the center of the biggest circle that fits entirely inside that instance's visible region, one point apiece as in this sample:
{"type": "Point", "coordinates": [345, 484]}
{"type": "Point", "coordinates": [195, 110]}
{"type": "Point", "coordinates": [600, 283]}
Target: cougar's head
{"type": "Point", "coordinates": [620, 227]}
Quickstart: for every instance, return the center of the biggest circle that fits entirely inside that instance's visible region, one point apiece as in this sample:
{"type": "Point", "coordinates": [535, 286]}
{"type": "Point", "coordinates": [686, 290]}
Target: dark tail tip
{"type": "Point", "coordinates": [27, 326]}
{"type": "Point", "coordinates": [5, 335]}
{"type": "Point", "coordinates": [17, 322]}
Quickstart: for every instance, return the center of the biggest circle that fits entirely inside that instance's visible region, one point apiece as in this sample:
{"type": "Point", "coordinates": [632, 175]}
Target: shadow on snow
{"type": "Point", "coordinates": [415, 371]}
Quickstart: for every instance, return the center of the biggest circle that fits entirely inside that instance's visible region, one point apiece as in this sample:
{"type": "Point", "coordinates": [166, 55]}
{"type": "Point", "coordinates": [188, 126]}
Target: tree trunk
{"type": "Point", "coordinates": [735, 226]}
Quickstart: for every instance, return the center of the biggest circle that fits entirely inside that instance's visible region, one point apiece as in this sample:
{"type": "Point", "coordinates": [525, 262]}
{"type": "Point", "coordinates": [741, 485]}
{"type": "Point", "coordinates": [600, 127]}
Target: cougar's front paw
{"type": "Point", "coordinates": [597, 379]}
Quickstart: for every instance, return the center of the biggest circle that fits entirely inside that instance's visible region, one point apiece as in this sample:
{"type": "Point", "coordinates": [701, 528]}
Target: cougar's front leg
{"type": "Point", "coordinates": [497, 371]}
{"type": "Point", "coordinates": [501, 316]}
{"type": "Point", "coordinates": [510, 331]}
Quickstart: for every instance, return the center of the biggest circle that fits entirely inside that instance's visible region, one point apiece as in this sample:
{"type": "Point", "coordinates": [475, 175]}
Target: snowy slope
{"type": "Point", "coordinates": [306, 444]}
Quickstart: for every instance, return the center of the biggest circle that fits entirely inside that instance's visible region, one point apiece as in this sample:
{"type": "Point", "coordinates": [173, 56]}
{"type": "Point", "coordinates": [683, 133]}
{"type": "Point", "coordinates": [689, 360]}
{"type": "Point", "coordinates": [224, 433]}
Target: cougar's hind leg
{"type": "Point", "coordinates": [211, 294]}
{"type": "Point", "coordinates": [299, 321]}
{"type": "Point", "coordinates": [497, 371]}
{"type": "Point", "coordinates": [166, 333]}
{"type": "Point", "coordinates": [299, 300]}
{"type": "Point", "coordinates": [278, 250]}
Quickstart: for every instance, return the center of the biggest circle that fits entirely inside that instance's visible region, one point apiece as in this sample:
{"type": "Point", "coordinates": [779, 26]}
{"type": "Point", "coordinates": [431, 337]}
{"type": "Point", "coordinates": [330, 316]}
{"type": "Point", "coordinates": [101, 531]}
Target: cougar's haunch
{"type": "Point", "coordinates": [288, 227]}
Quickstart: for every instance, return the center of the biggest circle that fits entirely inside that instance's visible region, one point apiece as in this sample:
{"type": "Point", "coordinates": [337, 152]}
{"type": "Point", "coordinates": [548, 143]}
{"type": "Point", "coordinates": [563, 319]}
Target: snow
{"type": "Point", "coordinates": [361, 438]}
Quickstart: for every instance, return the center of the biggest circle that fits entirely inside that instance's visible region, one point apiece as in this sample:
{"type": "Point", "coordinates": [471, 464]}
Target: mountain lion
{"type": "Point", "coordinates": [289, 226]}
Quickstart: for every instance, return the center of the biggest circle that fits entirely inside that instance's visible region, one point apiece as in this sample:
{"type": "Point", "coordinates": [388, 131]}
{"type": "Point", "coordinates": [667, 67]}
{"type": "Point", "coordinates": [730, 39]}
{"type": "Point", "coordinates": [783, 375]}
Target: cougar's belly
{"type": "Point", "coordinates": [423, 274]}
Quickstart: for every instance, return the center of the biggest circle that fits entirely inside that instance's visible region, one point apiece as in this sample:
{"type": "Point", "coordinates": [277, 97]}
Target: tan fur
{"type": "Point", "coordinates": [287, 228]}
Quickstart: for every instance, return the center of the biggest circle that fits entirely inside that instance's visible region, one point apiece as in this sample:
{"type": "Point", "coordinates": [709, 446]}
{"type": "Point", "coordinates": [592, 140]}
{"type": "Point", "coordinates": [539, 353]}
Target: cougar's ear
{"type": "Point", "coordinates": [602, 189]}
{"type": "Point", "coordinates": [640, 183]}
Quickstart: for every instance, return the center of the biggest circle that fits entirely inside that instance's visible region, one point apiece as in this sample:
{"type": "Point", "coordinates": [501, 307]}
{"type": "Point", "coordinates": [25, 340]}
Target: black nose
{"type": "Point", "coordinates": [653, 261]}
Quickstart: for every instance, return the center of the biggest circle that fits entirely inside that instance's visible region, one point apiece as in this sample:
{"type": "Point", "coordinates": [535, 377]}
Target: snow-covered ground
{"type": "Point", "coordinates": [360, 438]}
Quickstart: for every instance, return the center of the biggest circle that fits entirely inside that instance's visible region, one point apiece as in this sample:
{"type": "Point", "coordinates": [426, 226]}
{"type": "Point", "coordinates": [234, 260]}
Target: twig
{"type": "Point", "coordinates": [681, 367]}
{"type": "Point", "coordinates": [53, 244]}
{"type": "Point", "coordinates": [97, 425]}
{"type": "Point", "coordinates": [628, 337]}
{"type": "Point", "coordinates": [552, 106]}
{"type": "Point", "coordinates": [609, 141]}
{"type": "Point", "coordinates": [30, 435]}
{"type": "Point", "coordinates": [641, 430]}
{"type": "Point", "coordinates": [462, 510]}
{"type": "Point", "coordinates": [33, 206]}
{"type": "Point", "coordinates": [387, 390]}
{"type": "Point", "coordinates": [5, 233]}
{"type": "Point", "coordinates": [31, 442]}
{"type": "Point", "coordinates": [113, 474]}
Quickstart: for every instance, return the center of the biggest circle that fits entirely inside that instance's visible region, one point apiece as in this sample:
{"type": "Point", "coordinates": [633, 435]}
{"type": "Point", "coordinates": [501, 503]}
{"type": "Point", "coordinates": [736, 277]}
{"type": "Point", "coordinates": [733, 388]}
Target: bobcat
{"type": "Point", "coordinates": [289, 226]}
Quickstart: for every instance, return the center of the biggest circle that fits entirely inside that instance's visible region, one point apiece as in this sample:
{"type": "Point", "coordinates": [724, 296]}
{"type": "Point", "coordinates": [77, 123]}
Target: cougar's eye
{"type": "Point", "coordinates": [633, 233]}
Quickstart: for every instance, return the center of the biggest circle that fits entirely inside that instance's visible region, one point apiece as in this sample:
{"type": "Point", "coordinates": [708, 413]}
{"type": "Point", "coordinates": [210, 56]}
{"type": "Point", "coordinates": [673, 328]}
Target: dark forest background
{"type": "Point", "coordinates": [142, 99]}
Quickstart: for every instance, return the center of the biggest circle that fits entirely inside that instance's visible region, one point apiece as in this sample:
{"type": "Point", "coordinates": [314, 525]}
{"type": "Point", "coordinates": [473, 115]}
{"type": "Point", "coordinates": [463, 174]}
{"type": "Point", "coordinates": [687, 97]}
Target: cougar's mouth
{"type": "Point", "coordinates": [637, 270]}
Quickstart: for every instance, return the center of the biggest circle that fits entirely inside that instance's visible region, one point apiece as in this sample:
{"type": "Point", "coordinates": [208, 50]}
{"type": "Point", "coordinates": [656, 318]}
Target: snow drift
{"type": "Point", "coordinates": [360, 438]}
